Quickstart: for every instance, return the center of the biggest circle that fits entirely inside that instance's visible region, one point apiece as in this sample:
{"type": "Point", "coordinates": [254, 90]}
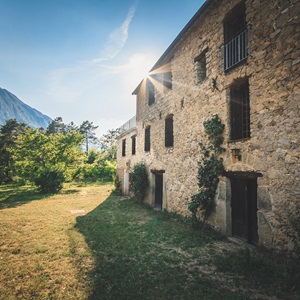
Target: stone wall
{"type": "Point", "coordinates": [272, 70]}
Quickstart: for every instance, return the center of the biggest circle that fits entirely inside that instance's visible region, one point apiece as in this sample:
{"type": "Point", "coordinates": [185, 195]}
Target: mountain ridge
{"type": "Point", "coordinates": [11, 107]}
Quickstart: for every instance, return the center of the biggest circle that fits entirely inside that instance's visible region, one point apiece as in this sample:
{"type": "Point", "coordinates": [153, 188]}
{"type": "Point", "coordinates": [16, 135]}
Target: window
{"type": "Point", "coordinates": [200, 66]}
{"type": "Point", "coordinates": [124, 147]}
{"type": "Point", "coordinates": [133, 144]}
{"type": "Point", "coordinates": [147, 139]}
{"type": "Point", "coordinates": [240, 111]}
{"type": "Point", "coordinates": [169, 137]}
{"type": "Point", "coordinates": [150, 92]}
{"type": "Point", "coordinates": [236, 37]}
{"type": "Point", "coordinates": [167, 80]}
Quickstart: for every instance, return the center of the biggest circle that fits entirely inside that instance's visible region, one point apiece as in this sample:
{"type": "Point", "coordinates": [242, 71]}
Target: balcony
{"type": "Point", "coordinates": [236, 50]}
{"type": "Point", "coordinates": [128, 125]}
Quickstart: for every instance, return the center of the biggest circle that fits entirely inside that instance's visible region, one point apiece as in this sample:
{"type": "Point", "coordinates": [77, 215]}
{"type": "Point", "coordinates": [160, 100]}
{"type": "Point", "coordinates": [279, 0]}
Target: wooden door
{"type": "Point", "coordinates": [244, 209]}
{"type": "Point", "coordinates": [158, 191]}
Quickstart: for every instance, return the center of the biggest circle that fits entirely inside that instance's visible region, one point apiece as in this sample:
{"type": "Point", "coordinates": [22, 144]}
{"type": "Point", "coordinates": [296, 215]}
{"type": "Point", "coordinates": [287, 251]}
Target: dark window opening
{"type": "Point", "coordinates": [240, 111]}
{"type": "Point", "coordinates": [150, 92]}
{"type": "Point", "coordinates": [133, 144]}
{"type": "Point", "coordinates": [200, 66]}
{"type": "Point", "coordinates": [147, 139]}
{"type": "Point", "coordinates": [169, 135]}
{"type": "Point", "coordinates": [124, 147]}
{"type": "Point", "coordinates": [167, 80]}
{"type": "Point", "coordinates": [236, 37]}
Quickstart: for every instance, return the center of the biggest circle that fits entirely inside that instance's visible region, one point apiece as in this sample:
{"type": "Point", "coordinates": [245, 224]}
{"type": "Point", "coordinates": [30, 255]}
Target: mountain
{"type": "Point", "coordinates": [13, 108]}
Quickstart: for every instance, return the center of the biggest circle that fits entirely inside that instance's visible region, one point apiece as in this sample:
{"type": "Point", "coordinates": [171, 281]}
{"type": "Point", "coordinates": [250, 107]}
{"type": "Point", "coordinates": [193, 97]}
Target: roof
{"type": "Point", "coordinates": [177, 39]}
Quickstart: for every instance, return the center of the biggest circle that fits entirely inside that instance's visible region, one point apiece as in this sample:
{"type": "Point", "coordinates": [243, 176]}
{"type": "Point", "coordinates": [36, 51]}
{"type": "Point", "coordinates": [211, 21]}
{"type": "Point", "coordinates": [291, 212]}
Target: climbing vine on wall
{"type": "Point", "coordinates": [210, 167]}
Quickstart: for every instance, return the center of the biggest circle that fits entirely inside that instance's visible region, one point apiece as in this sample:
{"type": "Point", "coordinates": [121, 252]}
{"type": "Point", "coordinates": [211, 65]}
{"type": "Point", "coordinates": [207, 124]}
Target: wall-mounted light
{"type": "Point", "coordinates": [236, 153]}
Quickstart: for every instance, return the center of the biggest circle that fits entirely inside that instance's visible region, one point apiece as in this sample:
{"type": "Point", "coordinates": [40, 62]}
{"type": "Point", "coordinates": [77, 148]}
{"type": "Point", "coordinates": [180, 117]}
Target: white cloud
{"type": "Point", "coordinates": [67, 84]}
{"type": "Point", "coordinates": [117, 39]}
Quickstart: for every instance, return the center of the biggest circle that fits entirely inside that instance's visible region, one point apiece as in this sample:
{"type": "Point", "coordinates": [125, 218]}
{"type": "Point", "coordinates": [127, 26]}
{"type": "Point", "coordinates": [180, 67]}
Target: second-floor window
{"type": "Point", "coordinates": [123, 147]}
{"type": "Point", "coordinates": [133, 144]}
{"type": "Point", "coordinates": [236, 37]}
{"type": "Point", "coordinates": [169, 135]}
{"type": "Point", "coordinates": [200, 66]}
{"type": "Point", "coordinates": [239, 111]}
{"type": "Point", "coordinates": [150, 92]}
{"type": "Point", "coordinates": [167, 80]}
{"type": "Point", "coordinates": [147, 139]}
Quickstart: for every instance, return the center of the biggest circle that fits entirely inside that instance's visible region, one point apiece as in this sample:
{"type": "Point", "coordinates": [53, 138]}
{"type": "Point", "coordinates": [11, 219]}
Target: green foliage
{"type": "Point", "coordinates": [209, 170]}
{"type": "Point", "coordinates": [109, 143]}
{"type": "Point", "coordinates": [8, 134]}
{"type": "Point", "coordinates": [56, 126]}
{"type": "Point", "coordinates": [139, 181]}
{"type": "Point", "coordinates": [87, 129]}
{"type": "Point", "coordinates": [118, 188]}
{"type": "Point", "coordinates": [50, 181]}
{"type": "Point", "coordinates": [38, 154]}
{"type": "Point", "coordinates": [97, 166]}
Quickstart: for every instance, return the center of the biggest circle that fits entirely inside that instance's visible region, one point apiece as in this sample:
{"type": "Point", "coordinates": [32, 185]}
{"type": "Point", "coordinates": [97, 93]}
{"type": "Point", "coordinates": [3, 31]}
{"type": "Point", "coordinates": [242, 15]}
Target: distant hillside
{"type": "Point", "coordinates": [13, 108]}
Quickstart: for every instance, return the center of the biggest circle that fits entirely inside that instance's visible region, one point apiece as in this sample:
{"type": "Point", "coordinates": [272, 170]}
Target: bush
{"type": "Point", "coordinates": [139, 181]}
{"type": "Point", "coordinates": [50, 181]}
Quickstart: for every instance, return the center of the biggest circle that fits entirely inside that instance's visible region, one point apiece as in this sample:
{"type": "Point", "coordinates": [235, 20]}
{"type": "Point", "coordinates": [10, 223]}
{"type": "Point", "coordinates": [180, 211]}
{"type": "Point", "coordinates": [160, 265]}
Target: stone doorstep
{"type": "Point", "coordinates": [240, 242]}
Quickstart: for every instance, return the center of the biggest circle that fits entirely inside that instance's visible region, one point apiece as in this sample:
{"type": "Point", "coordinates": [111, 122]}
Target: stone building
{"type": "Point", "coordinates": [240, 60]}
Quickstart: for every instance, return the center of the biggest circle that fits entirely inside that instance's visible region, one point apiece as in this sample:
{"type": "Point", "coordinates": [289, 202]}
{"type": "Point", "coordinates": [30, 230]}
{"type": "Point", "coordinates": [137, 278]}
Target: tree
{"type": "Point", "coordinates": [44, 158]}
{"type": "Point", "coordinates": [8, 134]}
{"type": "Point", "coordinates": [109, 143]}
{"type": "Point", "coordinates": [71, 127]}
{"type": "Point", "coordinates": [57, 125]}
{"type": "Point", "coordinates": [87, 129]}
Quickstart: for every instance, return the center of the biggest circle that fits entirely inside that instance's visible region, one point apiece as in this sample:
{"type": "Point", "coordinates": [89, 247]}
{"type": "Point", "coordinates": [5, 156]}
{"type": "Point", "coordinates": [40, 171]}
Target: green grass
{"type": "Point", "coordinates": [120, 249]}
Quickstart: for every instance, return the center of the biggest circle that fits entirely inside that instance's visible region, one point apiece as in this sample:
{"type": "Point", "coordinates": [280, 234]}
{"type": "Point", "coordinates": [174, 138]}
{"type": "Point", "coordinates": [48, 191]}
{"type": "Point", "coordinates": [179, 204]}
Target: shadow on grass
{"type": "Point", "coordinates": [140, 253]}
{"type": "Point", "coordinates": [14, 195]}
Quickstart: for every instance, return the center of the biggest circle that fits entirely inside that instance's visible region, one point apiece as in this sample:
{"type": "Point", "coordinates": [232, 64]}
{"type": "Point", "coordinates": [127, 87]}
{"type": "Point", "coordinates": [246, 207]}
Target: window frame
{"type": "Point", "coordinates": [239, 107]}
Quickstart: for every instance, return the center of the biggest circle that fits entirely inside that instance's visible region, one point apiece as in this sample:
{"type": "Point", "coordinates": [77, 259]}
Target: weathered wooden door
{"type": "Point", "coordinates": [158, 191]}
{"type": "Point", "coordinates": [244, 209]}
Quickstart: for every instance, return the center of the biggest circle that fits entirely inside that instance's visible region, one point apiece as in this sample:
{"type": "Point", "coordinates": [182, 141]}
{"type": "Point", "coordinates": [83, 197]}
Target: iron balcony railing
{"type": "Point", "coordinates": [128, 125]}
{"type": "Point", "coordinates": [237, 49]}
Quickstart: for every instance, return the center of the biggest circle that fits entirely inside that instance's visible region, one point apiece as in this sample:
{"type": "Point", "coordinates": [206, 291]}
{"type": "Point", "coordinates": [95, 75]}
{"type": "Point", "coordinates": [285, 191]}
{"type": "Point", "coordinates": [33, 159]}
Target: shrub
{"type": "Point", "coordinates": [139, 181]}
{"type": "Point", "coordinates": [50, 181]}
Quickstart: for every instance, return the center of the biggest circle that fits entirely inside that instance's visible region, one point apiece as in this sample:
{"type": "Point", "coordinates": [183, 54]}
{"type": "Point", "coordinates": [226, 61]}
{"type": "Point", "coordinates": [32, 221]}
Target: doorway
{"type": "Point", "coordinates": [244, 209]}
{"type": "Point", "coordinates": [158, 203]}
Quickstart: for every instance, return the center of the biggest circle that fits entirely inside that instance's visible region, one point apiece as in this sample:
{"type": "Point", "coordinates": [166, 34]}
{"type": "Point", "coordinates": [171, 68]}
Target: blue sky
{"type": "Point", "coordinates": [81, 59]}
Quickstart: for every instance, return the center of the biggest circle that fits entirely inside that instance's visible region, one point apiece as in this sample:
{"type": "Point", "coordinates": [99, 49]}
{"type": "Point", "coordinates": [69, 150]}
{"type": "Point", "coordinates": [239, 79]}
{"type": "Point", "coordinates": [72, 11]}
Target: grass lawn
{"type": "Point", "coordinates": [87, 244]}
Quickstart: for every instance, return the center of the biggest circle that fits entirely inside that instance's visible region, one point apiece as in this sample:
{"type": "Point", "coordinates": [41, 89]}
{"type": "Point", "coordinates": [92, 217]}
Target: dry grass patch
{"type": "Point", "coordinates": [42, 256]}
